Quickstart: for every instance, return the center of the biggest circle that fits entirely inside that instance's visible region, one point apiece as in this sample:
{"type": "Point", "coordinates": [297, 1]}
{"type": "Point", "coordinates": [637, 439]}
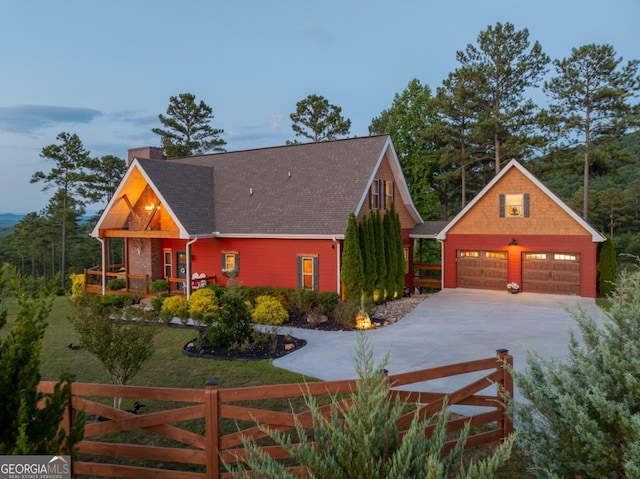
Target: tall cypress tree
{"type": "Point", "coordinates": [608, 267]}
{"type": "Point", "coordinates": [367, 255]}
{"type": "Point", "coordinates": [379, 294]}
{"type": "Point", "coordinates": [352, 270]}
{"type": "Point", "coordinates": [398, 250]}
{"type": "Point", "coordinates": [389, 251]}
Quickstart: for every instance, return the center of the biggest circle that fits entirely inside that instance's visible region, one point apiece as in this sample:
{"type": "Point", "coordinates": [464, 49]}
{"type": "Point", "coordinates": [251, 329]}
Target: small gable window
{"type": "Point", "coordinates": [381, 194]}
{"type": "Point", "coordinates": [514, 205]}
{"type": "Point", "coordinates": [374, 195]}
{"type": "Point", "coordinates": [308, 272]}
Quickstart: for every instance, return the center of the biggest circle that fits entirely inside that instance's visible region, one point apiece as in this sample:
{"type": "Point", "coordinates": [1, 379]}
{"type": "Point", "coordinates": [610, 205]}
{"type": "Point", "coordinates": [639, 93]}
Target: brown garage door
{"type": "Point", "coordinates": [482, 269]}
{"type": "Point", "coordinates": [551, 273]}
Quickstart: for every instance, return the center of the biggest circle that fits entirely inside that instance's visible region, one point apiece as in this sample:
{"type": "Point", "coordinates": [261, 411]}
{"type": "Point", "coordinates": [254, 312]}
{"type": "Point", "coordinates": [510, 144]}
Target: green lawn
{"type": "Point", "coordinates": [170, 368]}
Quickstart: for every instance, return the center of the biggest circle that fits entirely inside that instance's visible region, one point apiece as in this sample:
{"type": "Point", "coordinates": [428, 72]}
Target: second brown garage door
{"type": "Point", "coordinates": [551, 273]}
{"type": "Point", "coordinates": [482, 269]}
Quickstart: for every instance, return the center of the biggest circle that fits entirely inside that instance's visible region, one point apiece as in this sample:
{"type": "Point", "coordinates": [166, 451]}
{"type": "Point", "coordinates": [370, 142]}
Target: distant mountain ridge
{"type": "Point", "coordinates": [9, 220]}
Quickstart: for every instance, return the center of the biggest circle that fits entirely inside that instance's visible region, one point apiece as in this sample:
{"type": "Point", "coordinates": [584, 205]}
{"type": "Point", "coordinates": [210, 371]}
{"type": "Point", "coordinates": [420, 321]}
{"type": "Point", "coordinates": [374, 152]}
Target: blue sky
{"type": "Point", "coordinates": [106, 69]}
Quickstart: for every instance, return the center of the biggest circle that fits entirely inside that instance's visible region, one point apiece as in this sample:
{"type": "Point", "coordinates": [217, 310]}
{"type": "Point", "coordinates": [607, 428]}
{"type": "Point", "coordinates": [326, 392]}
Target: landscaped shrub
{"type": "Point", "coordinates": [360, 438]}
{"type": "Point", "coordinates": [116, 284]}
{"type": "Point", "coordinates": [251, 293]}
{"type": "Point", "coordinates": [217, 289]}
{"type": "Point", "coordinates": [581, 415]}
{"type": "Point", "coordinates": [114, 301]}
{"type": "Point", "coordinates": [231, 321]}
{"type": "Point", "coordinates": [345, 313]}
{"type": "Point", "coordinates": [268, 310]}
{"type": "Point", "coordinates": [156, 302]}
{"type": "Point", "coordinates": [77, 286]}
{"type": "Point", "coordinates": [326, 302]}
{"type": "Point", "coordinates": [159, 285]}
{"type": "Point", "coordinates": [202, 304]}
{"type": "Point", "coordinates": [302, 301]}
{"type": "Point", "coordinates": [174, 306]}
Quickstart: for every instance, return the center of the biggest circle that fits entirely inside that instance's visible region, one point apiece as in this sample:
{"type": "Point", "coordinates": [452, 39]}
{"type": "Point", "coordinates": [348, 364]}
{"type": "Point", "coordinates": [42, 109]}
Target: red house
{"type": "Point", "coordinates": [273, 216]}
{"type": "Point", "coordinates": [516, 230]}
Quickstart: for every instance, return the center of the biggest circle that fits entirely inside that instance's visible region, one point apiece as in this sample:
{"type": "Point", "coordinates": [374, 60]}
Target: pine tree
{"type": "Point", "coordinates": [581, 418]}
{"type": "Point", "coordinates": [71, 178]}
{"type": "Point", "coordinates": [501, 69]}
{"type": "Point", "coordinates": [352, 270]}
{"type": "Point", "coordinates": [591, 97]}
{"type": "Point", "coordinates": [187, 128]}
{"type": "Point", "coordinates": [317, 120]}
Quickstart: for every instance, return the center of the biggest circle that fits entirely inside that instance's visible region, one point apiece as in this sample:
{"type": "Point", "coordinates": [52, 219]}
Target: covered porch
{"type": "Point", "coordinates": [427, 258]}
{"type": "Point", "coordinates": [145, 261]}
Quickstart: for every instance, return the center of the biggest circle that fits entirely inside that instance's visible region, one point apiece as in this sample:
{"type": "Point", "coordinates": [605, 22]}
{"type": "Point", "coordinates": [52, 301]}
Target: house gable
{"type": "Point", "coordinates": [545, 214]}
{"type": "Point", "coordinates": [138, 206]}
{"type": "Point", "coordinates": [388, 174]}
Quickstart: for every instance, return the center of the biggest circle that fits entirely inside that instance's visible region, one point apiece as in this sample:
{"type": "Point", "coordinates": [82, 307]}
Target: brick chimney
{"type": "Point", "coordinates": [145, 152]}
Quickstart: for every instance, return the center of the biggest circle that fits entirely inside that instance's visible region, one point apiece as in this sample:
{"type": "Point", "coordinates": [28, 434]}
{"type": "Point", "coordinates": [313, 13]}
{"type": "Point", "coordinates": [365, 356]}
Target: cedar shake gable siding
{"type": "Point", "coordinates": [546, 217]}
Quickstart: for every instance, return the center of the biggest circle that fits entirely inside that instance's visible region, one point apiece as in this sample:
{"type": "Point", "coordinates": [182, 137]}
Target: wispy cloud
{"type": "Point", "coordinates": [136, 118]}
{"type": "Point", "coordinates": [27, 118]}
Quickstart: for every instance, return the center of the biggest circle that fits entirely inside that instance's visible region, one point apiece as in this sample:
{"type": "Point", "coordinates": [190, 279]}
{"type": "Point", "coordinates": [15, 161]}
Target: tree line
{"type": "Point", "coordinates": [450, 142]}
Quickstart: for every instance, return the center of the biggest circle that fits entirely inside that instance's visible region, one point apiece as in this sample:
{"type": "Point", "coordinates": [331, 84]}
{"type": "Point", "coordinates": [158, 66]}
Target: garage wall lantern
{"type": "Point", "coordinates": [513, 242]}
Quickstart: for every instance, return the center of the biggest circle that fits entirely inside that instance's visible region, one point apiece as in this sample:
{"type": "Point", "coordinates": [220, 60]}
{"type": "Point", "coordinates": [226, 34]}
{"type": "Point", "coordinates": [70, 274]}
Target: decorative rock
{"type": "Point", "coordinates": [316, 318]}
{"type": "Point", "coordinates": [289, 346]}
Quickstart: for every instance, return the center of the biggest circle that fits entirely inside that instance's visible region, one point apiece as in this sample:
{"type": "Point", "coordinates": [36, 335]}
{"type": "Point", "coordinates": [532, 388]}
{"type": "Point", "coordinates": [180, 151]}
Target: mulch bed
{"type": "Point", "coordinates": [284, 344]}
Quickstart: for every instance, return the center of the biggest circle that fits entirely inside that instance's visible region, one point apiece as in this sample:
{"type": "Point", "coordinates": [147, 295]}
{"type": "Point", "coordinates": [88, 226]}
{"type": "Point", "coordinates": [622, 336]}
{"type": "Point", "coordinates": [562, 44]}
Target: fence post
{"type": "Point", "coordinates": [505, 389]}
{"type": "Point", "coordinates": [211, 422]}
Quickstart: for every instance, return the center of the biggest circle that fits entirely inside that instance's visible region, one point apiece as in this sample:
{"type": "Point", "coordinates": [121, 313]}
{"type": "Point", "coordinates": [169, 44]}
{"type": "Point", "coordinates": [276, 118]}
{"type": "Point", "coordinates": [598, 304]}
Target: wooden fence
{"type": "Point", "coordinates": [207, 432]}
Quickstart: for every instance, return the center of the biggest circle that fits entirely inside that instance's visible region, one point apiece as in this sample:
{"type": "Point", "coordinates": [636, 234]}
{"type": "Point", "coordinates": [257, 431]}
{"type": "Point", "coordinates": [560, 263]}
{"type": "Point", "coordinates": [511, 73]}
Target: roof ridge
{"type": "Point", "coordinates": [273, 147]}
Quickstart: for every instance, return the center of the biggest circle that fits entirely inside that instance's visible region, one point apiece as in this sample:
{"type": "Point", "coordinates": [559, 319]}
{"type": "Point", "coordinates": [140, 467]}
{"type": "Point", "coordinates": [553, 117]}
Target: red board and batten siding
{"type": "Point", "coordinates": [263, 261]}
{"type": "Point", "coordinates": [582, 245]}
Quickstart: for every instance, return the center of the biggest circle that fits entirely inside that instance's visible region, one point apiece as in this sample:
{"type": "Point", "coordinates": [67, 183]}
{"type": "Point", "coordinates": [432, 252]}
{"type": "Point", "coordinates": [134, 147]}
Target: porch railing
{"type": "Point", "coordinates": [427, 275]}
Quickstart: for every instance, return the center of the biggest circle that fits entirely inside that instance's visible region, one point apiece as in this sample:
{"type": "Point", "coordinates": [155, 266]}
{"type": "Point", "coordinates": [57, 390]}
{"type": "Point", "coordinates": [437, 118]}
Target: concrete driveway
{"type": "Point", "coordinates": [451, 326]}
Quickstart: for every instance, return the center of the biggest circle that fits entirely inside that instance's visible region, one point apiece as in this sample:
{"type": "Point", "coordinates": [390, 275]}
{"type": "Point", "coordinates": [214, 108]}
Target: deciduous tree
{"type": "Point", "coordinates": [122, 345]}
{"type": "Point", "coordinates": [187, 128]}
{"type": "Point", "coordinates": [317, 120]}
{"type": "Point", "coordinates": [413, 123]}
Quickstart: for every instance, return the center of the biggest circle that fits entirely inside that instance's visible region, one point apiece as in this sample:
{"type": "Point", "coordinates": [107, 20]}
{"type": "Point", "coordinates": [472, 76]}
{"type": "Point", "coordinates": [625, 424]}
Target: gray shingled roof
{"type": "Point", "coordinates": [187, 190]}
{"type": "Point", "coordinates": [305, 189]}
{"type": "Point", "coordinates": [428, 229]}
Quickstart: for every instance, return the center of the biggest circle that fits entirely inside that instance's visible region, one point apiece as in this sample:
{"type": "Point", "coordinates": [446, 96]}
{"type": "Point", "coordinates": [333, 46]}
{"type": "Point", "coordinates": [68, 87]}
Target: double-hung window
{"type": "Point", "coordinates": [308, 273]}
{"type": "Point", "coordinates": [230, 261]}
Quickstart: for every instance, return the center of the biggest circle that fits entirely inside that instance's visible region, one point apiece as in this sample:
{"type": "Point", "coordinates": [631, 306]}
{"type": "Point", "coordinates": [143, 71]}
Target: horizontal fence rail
{"type": "Point", "coordinates": [192, 433]}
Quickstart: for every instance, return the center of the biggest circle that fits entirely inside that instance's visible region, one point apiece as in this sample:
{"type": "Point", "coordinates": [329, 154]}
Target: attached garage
{"type": "Point", "coordinates": [482, 269]}
{"type": "Point", "coordinates": [551, 273]}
